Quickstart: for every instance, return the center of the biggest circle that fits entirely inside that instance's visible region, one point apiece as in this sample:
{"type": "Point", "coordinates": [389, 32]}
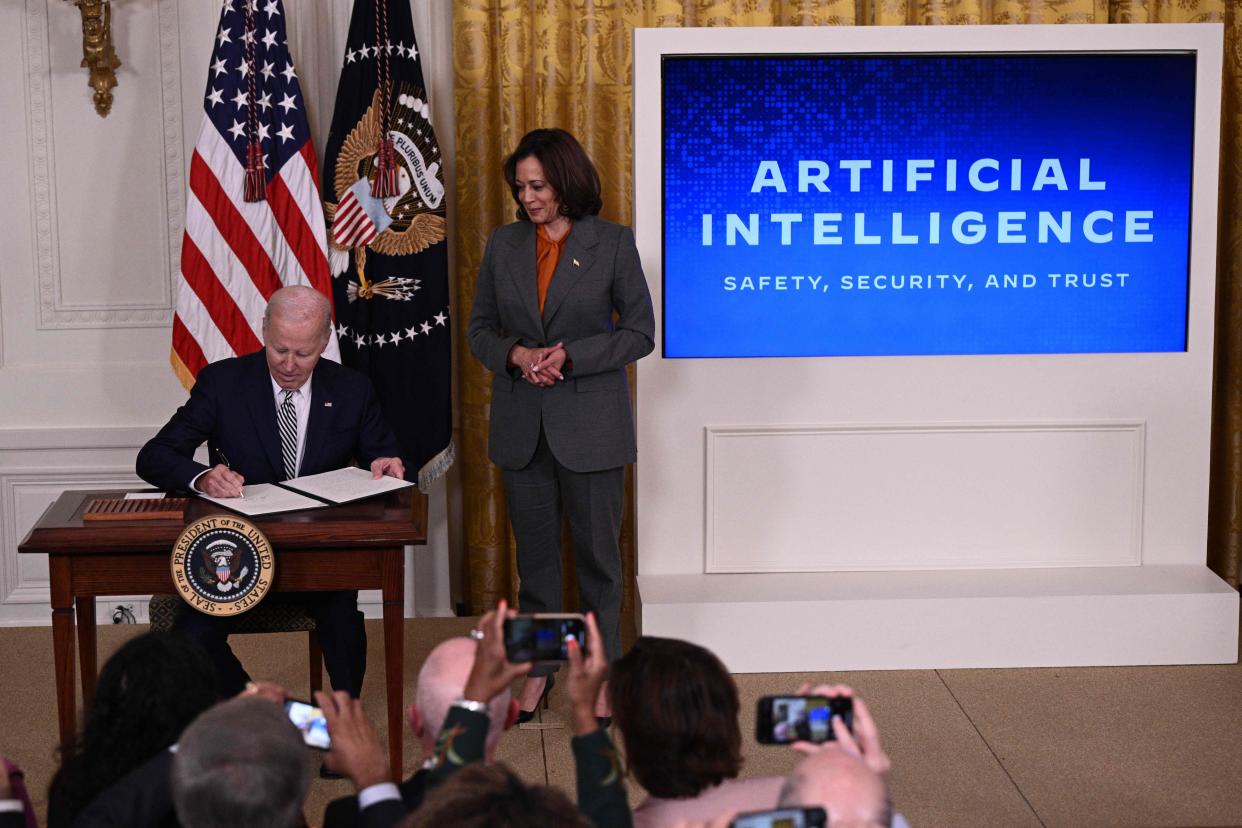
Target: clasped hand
{"type": "Point", "coordinates": [540, 366]}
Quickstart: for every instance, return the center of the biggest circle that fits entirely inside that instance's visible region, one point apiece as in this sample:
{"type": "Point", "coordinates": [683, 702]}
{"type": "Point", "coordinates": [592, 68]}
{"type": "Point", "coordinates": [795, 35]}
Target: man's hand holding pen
{"type": "Point", "coordinates": [220, 480]}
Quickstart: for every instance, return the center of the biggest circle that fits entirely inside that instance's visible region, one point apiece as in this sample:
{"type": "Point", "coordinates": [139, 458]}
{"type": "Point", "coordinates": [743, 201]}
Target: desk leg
{"type": "Point", "coordinates": [61, 572]}
{"type": "Point", "coordinates": [391, 577]}
{"type": "Point", "coordinates": [86, 646]}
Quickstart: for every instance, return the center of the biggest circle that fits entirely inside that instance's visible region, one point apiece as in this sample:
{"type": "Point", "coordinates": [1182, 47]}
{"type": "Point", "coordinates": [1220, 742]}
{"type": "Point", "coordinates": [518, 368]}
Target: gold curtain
{"type": "Point", "coordinates": [520, 64]}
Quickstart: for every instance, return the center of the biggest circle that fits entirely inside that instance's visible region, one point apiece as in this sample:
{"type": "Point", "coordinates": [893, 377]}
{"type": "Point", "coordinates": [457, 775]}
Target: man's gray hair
{"type": "Point", "coordinates": [297, 303]}
{"type": "Point", "coordinates": [241, 763]}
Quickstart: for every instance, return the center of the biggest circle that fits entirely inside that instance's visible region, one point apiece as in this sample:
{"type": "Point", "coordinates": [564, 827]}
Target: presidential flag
{"type": "Point", "coordinates": [384, 203]}
{"type": "Point", "coordinates": [254, 218]}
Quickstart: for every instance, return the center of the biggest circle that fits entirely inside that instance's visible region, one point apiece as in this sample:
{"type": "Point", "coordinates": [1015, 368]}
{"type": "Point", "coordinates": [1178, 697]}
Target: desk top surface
{"type": "Point", "coordinates": [396, 518]}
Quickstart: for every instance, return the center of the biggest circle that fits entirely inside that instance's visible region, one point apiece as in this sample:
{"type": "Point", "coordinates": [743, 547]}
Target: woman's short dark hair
{"type": "Point", "coordinates": [147, 693]}
{"type": "Point", "coordinates": [566, 168]}
{"type": "Point", "coordinates": [492, 796]}
{"type": "Point", "coordinates": [676, 707]}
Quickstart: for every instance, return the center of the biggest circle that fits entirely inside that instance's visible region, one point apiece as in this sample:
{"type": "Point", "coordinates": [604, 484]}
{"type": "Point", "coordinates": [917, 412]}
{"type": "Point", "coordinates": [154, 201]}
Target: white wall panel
{"type": "Point", "coordinates": [932, 496]}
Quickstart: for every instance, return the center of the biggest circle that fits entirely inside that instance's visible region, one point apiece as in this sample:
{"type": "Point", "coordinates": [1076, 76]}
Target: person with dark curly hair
{"type": "Point", "coordinates": [676, 708]}
{"type": "Point", "coordinates": [561, 307]}
{"type": "Point", "coordinates": [147, 693]}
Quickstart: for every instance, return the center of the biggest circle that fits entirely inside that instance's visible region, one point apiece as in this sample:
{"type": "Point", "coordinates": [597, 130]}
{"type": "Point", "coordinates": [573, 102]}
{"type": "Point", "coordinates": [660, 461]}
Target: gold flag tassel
{"type": "Point", "coordinates": [255, 182]}
{"type": "Point", "coordinates": [384, 185]}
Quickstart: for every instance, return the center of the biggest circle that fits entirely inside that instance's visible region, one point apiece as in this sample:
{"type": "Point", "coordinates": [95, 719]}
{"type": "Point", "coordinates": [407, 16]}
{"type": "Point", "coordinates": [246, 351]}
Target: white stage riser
{"type": "Point", "coordinates": [889, 621]}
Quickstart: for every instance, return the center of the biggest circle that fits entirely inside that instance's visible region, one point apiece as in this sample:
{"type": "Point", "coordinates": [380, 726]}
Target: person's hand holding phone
{"type": "Point", "coordinates": [863, 742]}
{"type": "Point", "coordinates": [492, 673]}
{"type": "Point", "coordinates": [587, 673]}
{"type": "Point", "coordinates": [356, 751]}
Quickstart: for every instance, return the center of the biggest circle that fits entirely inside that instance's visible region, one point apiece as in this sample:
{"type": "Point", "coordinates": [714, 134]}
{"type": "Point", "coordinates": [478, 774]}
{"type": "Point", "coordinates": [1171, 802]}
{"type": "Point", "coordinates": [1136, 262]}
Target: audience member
{"type": "Point", "coordinates": [147, 693]}
{"type": "Point", "coordinates": [241, 763]}
{"type": "Point", "coordinates": [441, 682]}
{"type": "Point", "coordinates": [357, 752]}
{"type": "Point", "coordinates": [847, 777]}
{"type": "Point", "coordinates": [676, 708]}
{"type": "Point", "coordinates": [492, 796]}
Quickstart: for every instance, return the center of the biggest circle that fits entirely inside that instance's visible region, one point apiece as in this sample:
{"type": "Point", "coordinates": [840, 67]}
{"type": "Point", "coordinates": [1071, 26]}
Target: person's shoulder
{"type": "Point", "coordinates": [341, 377]}
{"type": "Point", "coordinates": [231, 367]}
{"type": "Point", "coordinates": [604, 230]}
{"type": "Point", "coordinates": [514, 232]}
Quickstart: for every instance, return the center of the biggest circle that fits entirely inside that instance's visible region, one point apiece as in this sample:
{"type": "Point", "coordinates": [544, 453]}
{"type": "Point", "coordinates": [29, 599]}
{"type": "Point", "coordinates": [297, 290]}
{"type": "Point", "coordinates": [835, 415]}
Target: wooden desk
{"type": "Point", "coordinates": [355, 546]}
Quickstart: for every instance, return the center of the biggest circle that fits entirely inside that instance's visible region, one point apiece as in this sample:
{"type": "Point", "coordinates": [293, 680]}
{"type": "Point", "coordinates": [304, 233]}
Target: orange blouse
{"type": "Point", "coordinates": [547, 254]}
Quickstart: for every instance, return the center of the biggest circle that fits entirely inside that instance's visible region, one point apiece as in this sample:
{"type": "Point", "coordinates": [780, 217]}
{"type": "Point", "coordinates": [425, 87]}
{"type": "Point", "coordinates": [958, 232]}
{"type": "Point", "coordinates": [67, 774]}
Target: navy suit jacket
{"type": "Point", "coordinates": [232, 409]}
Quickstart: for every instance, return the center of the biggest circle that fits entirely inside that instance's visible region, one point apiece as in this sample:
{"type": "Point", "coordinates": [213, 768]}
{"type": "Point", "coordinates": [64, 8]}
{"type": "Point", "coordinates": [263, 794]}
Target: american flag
{"type": "Point", "coordinates": [236, 253]}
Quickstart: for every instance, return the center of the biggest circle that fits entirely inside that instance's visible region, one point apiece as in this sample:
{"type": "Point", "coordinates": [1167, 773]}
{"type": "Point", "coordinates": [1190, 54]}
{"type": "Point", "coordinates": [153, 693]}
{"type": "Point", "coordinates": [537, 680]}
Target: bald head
{"type": "Point", "coordinates": [299, 304]}
{"type": "Point", "coordinates": [841, 784]}
{"type": "Point", "coordinates": [296, 328]}
{"type": "Point", "coordinates": [441, 682]}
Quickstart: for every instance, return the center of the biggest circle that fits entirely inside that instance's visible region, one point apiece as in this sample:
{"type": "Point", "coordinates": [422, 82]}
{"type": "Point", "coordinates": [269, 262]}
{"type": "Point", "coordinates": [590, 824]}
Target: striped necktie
{"type": "Point", "coordinates": [288, 418]}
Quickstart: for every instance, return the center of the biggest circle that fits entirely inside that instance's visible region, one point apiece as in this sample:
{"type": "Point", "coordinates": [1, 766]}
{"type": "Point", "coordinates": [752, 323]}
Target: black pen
{"type": "Point", "coordinates": [229, 466]}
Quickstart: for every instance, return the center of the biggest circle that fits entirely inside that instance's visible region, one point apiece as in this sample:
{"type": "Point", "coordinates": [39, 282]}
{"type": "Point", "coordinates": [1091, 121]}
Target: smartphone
{"type": "Point", "coordinates": [782, 818]}
{"type": "Point", "coordinates": [543, 636]}
{"type": "Point", "coordinates": [780, 720]}
{"type": "Point", "coordinates": [309, 719]}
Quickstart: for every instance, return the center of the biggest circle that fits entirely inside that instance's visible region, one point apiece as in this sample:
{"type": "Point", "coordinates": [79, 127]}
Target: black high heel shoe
{"type": "Point", "coordinates": [525, 716]}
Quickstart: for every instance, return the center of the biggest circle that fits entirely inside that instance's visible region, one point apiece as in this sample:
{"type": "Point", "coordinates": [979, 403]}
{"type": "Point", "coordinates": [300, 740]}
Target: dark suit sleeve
{"type": "Point", "coordinates": [633, 335]}
{"type": "Point", "coordinates": [460, 742]}
{"type": "Point", "coordinates": [489, 341]}
{"type": "Point", "coordinates": [167, 460]}
{"type": "Point", "coordinates": [12, 819]}
{"type": "Point", "coordinates": [140, 799]}
{"type": "Point", "coordinates": [375, 437]}
{"type": "Point", "coordinates": [601, 791]}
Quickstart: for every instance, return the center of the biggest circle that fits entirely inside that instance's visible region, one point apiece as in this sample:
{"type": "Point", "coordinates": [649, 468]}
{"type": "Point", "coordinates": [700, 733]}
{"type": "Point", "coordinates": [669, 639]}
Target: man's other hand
{"type": "Point", "coordinates": [356, 749]}
{"type": "Point", "coordinates": [391, 466]}
{"type": "Point", "coordinates": [221, 481]}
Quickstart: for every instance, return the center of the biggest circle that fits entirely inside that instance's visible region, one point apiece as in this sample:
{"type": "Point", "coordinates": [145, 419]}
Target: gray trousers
{"type": "Point", "coordinates": [537, 496]}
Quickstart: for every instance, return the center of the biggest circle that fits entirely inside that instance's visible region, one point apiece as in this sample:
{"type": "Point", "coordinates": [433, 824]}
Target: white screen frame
{"type": "Point", "coordinates": [683, 402]}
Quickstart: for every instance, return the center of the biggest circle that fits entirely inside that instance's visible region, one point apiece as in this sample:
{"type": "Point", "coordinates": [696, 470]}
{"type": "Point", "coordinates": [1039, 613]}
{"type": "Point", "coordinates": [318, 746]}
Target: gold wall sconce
{"type": "Point", "coordinates": [97, 52]}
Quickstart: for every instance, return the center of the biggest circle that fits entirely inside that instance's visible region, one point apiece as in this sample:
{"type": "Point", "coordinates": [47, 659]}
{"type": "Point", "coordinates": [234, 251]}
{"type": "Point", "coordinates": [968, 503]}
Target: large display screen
{"type": "Point", "coordinates": [832, 205]}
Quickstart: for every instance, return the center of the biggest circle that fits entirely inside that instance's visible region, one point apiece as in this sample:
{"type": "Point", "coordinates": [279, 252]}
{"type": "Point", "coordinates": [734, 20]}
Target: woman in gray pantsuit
{"type": "Point", "coordinates": [561, 426]}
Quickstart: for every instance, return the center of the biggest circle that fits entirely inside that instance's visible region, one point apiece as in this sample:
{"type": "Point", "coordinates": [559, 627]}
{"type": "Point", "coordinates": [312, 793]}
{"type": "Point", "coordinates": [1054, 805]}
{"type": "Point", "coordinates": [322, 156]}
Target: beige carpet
{"type": "Point", "coordinates": [1058, 747]}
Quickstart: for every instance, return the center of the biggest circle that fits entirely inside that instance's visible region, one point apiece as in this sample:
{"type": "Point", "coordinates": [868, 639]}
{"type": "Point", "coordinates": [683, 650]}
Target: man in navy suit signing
{"type": "Point", "coordinates": [330, 419]}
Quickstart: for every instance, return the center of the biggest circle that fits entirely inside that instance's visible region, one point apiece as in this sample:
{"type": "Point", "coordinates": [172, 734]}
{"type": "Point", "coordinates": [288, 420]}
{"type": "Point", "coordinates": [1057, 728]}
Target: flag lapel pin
{"type": "Point", "coordinates": [327, 405]}
{"type": "Point", "coordinates": [576, 263]}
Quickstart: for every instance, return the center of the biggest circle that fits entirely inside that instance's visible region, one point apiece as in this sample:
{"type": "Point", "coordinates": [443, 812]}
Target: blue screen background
{"type": "Point", "coordinates": [1131, 114]}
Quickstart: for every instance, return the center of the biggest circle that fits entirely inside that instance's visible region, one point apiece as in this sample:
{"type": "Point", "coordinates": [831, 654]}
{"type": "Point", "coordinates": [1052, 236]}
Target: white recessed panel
{"type": "Point", "coordinates": [923, 497]}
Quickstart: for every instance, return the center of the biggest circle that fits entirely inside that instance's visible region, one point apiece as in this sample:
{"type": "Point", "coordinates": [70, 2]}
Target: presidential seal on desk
{"type": "Point", "coordinates": [222, 565]}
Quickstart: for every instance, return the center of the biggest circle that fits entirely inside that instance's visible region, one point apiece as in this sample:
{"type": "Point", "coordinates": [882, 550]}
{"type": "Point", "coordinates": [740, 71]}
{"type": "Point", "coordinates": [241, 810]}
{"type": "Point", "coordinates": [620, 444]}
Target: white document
{"type": "Point", "coordinates": [266, 499]}
{"type": "Point", "coordinates": [144, 495]}
{"type": "Point", "coordinates": [345, 485]}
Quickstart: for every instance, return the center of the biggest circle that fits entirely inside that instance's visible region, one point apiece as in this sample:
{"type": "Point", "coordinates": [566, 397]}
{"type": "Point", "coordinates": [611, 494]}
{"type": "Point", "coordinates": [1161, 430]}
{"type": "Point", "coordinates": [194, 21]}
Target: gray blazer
{"type": "Point", "coordinates": [587, 417]}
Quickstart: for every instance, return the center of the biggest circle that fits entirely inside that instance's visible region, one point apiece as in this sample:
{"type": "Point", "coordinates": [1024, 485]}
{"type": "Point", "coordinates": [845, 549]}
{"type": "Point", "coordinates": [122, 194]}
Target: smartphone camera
{"type": "Point", "coordinates": [542, 637]}
{"type": "Point", "coordinates": [780, 720]}
{"type": "Point", "coordinates": [782, 818]}
{"type": "Point", "coordinates": [309, 720]}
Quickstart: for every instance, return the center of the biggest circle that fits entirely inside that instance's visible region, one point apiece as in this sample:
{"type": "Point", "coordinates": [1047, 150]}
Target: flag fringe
{"type": "Point", "coordinates": [256, 181]}
{"type": "Point", "coordinates": [184, 374]}
{"type": "Point", "coordinates": [385, 183]}
{"type": "Point", "coordinates": [435, 468]}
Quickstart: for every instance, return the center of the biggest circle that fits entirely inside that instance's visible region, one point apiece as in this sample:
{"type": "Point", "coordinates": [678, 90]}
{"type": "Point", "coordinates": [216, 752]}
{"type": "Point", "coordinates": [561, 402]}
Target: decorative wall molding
{"type": "Point", "coordinates": [923, 496]}
{"type": "Point", "coordinates": [54, 312]}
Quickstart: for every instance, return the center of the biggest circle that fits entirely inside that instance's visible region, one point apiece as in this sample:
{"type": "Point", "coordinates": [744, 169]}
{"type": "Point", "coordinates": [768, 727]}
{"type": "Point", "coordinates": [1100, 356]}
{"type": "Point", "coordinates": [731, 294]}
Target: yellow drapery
{"type": "Point", "coordinates": [521, 64]}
